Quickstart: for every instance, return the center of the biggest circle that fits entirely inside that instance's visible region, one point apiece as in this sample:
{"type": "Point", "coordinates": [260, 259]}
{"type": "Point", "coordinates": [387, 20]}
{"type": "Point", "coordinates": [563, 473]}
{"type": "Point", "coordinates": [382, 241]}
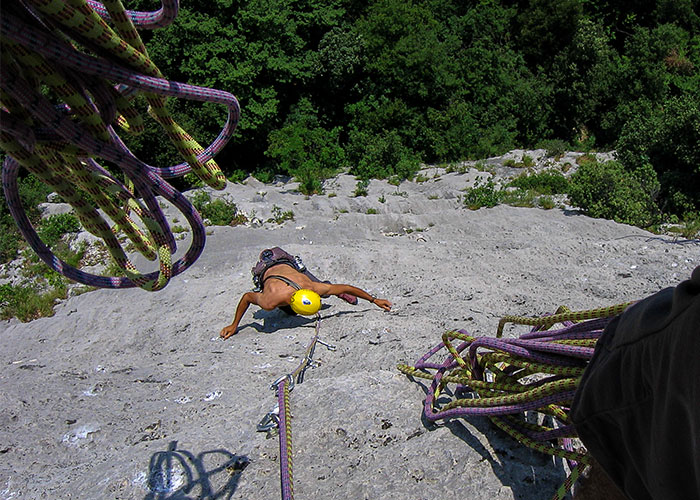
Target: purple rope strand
{"type": "Point", "coordinates": [285, 479]}
{"type": "Point", "coordinates": [55, 129]}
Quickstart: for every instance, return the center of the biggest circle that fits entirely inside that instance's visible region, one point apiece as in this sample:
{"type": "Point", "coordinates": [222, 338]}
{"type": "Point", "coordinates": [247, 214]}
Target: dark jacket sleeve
{"type": "Point", "coordinates": [637, 408]}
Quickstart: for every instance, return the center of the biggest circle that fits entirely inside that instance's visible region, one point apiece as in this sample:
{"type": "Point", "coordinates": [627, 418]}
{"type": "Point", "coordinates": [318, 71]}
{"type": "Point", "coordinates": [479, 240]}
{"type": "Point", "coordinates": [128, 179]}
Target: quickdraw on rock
{"type": "Point", "coordinates": [509, 379]}
{"type": "Point", "coordinates": [281, 416]}
{"type": "Point", "coordinates": [95, 71]}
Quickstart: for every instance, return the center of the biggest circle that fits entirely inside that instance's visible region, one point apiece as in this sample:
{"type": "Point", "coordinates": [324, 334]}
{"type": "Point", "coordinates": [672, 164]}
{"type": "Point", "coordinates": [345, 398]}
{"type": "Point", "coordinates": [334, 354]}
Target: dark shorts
{"type": "Point", "coordinates": [637, 408]}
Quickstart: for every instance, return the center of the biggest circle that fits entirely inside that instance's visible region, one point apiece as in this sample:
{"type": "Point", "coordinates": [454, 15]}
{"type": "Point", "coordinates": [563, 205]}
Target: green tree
{"type": "Point", "coordinates": [608, 190]}
{"type": "Point", "coordinates": [306, 150]}
{"type": "Point", "coordinates": [381, 156]}
{"type": "Point", "coordinates": [262, 51]}
{"type": "Point", "coordinates": [585, 82]}
{"type": "Point", "coordinates": [668, 137]}
{"type": "Point", "coordinates": [545, 27]}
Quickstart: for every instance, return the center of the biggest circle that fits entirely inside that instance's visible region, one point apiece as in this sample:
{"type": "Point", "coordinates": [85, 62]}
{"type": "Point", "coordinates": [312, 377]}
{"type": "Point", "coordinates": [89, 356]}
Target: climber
{"type": "Point", "coordinates": [281, 280]}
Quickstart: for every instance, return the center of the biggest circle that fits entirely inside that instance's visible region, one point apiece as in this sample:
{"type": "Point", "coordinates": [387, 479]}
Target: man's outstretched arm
{"type": "Point", "coordinates": [357, 292]}
{"type": "Point", "coordinates": [247, 299]}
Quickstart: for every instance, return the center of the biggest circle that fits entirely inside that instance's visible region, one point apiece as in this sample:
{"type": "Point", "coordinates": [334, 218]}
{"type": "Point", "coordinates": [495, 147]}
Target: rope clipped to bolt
{"type": "Point", "coordinates": [95, 73]}
{"type": "Point", "coordinates": [525, 385]}
{"type": "Point", "coordinates": [281, 416]}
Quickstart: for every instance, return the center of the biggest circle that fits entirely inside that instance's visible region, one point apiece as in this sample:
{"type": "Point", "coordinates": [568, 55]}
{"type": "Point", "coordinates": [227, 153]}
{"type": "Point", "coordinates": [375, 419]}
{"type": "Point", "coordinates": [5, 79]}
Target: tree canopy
{"type": "Point", "coordinates": [376, 87]}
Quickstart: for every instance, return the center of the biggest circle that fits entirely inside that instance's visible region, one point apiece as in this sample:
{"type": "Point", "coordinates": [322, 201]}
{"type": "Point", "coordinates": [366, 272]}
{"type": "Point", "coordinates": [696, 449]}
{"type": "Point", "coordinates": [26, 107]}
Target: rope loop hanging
{"type": "Point", "coordinates": [94, 72]}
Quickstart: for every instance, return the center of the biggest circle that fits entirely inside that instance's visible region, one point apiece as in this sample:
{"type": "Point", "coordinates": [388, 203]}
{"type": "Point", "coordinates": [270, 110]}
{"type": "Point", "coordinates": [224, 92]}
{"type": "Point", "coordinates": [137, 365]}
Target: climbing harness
{"type": "Point", "coordinates": [525, 385]}
{"type": "Point", "coordinates": [280, 417]}
{"type": "Point", "coordinates": [271, 257]}
{"type": "Point", "coordinates": [96, 71]}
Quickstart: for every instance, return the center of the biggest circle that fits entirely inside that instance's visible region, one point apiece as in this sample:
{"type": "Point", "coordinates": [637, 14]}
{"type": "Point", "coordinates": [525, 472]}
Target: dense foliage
{"type": "Point", "coordinates": [32, 192]}
{"type": "Point", "coordinates": [376, 87]}
{"type": "Point", "coordinates": [217, 212]}
{"type": "Point", "coordinates": [610, 191]}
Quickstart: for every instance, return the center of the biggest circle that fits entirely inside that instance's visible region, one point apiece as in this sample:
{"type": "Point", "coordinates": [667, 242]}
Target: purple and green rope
{"type": "Point", "coordinates": [518, 381]}
{"type": "Point", "coordinates": [60, 140]}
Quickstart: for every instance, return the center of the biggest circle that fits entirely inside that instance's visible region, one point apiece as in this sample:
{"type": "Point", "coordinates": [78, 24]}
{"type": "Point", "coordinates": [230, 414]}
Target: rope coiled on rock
{"type": "Point", "coordinates": [518, 381]}
{"type": "Point", "coordinates": [59, 142]}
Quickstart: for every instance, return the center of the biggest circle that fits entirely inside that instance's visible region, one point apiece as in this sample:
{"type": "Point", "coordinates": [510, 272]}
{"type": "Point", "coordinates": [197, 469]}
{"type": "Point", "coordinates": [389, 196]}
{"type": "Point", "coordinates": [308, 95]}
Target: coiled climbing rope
{"type": "Point", "coordinates": [525, 385]}
{"type": "Point", "coordinates": [95, 72]}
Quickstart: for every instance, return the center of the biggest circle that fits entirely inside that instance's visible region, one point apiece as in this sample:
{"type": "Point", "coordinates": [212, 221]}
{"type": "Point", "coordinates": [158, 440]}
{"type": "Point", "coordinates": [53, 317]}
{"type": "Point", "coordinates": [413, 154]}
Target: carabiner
{"type": "Point", "coordinates": [270, 421]}
{"type": "Point", "coordinates": [275, 385]}
{"type": "Point", "coordinates": [330, 347]}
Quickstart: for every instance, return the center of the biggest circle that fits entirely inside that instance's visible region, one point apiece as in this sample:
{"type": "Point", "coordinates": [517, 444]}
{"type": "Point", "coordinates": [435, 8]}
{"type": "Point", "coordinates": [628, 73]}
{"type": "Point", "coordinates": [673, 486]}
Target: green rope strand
{"type": "Point", "coordinates": [288, 437]}
{"type": "Point", "coordinates": [547, 321]}
{"type": "Point", "coordinates": [538, 446]}
{"type": "Point", "coordinates": [569, 482]}
{"type": "Point", "coordinates": [513, 399]}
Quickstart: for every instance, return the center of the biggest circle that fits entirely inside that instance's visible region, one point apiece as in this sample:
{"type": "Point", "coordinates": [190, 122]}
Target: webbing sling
{"type": "Point", "coordinates": [282, 278]}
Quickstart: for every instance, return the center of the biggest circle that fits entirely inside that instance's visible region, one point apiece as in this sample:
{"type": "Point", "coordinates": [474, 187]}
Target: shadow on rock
{"type": "Point", "coordinates": [526, 472]}
{"type": "Point", "coordinates": [275, 320]}
{"type": "Point", "coordinates": [180, 474]}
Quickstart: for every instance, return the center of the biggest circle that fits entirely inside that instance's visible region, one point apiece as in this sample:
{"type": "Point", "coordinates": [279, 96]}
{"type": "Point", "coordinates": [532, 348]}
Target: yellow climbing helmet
{"type": "Point", "coordinates": [306, 302]}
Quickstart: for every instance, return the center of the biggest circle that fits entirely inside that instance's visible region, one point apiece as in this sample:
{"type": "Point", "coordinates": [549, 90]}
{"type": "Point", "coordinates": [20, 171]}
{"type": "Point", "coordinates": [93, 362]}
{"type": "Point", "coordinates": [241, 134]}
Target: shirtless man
{"type": "Point", "coordinates": [279, 277]}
